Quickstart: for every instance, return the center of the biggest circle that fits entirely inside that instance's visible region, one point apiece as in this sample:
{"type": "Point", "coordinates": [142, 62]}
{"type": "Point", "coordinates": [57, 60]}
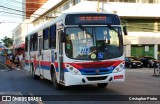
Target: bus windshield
{"type": "Point", "coordinates": [93, 43]}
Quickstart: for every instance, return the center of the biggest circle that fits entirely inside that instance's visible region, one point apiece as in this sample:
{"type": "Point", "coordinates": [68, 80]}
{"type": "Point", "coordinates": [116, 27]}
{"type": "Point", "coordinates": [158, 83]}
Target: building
{"type": "Point", "coordinates": [29, 7]}
{"type": "Point", "coordinates": [32, 6]}
{"type": "Point", "coordinates": [140, 16]}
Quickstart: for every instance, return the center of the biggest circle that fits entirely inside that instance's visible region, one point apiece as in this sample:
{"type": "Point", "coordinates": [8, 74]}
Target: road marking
{"type": "Point", "coordinates": [39, 102]}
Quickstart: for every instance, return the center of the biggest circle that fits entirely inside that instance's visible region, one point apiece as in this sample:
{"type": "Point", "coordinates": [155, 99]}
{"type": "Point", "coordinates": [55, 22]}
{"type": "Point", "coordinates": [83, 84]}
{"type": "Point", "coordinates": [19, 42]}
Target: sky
{"type": "Point", "coordinates": [11, 13]}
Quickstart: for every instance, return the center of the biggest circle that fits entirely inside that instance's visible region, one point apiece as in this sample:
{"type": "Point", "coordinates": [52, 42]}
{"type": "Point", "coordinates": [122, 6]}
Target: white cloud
{"type": "Point", "coordinates": [6, 29]}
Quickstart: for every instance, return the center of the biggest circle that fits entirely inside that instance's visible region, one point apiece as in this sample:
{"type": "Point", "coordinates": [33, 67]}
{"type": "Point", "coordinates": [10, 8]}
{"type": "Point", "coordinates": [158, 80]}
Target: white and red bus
{"type": "Point", "coordinates": [77, 49]}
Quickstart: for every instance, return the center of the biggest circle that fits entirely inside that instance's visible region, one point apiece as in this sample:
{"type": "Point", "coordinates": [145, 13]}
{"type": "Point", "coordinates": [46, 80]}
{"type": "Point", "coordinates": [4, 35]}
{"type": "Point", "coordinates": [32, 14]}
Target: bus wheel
{"type": "Point", "coordinates": [56, 85]}
{"type": "Point", "coordinates": [33, 74]}
{"type": "Point", "coordinates": [102, 85]}
{"type": "Point", "coordinates": [156, 71]}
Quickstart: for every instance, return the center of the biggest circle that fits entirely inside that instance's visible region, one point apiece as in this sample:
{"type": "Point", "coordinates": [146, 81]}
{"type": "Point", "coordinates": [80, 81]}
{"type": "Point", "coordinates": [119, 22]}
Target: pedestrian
{"type": "Point", "coordinates": [20, 61]}
{"type": "Point", "coordinates": [16, 61]}
{"type": "Point", "coordinates": [12, 58]}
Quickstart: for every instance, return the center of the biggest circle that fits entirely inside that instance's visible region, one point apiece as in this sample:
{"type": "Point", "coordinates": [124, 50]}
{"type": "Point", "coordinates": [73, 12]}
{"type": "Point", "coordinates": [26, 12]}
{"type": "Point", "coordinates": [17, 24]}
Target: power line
{"type": "Point", "coordinates": [20, 11]}
{"type": "Point", "coordinates": [24, 3]}
{"type": "Point", "coordinates": [28, 11]}
{"type": "Point", "coordinates": [12, 13]}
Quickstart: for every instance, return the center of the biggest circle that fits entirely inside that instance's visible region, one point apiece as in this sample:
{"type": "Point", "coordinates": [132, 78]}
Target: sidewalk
{"type": "Point", "coordinates": [3, 66]}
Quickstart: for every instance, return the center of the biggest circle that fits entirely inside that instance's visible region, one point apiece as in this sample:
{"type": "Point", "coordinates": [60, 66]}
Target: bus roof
{"type": "Point", "coordinates": [61, 18]}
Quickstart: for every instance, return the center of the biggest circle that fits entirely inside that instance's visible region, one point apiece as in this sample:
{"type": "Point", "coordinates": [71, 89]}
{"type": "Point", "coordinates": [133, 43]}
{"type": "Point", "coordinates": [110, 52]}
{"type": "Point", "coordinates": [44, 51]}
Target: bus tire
{"type": "Point", "coordinates": [102, 85]}
{"type": "Point", "coordinates": [34, 76]}
{"type": "Point", "coordinates": [156, 71]}
{"type": "Point", "coordinates": [56, 85]}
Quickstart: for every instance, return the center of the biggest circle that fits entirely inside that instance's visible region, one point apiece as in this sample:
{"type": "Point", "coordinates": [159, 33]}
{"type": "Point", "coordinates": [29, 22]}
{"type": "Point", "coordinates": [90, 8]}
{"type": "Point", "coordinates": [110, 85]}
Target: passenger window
{"type": "Point", "coordinates": [52, 41]}
{"type": "Point", "coordinates": [46, 38]}
{"type": "Point", "coordinates": [35, 42]}
{"type": "Point", "coordinates": [26, 44]}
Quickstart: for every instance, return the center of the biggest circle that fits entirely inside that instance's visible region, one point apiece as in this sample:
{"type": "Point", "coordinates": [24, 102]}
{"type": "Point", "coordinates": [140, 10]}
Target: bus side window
{"type": "Point", "coordinates": [31, 42]}
{"type": "Point", "coordinates": [52, 41]}
{"type": "Point", "coordinates": [46, 38]}
{"type": "Point", "coordinates": [26, 44]}
{"type": "Point", "coordinates": [35, 42]}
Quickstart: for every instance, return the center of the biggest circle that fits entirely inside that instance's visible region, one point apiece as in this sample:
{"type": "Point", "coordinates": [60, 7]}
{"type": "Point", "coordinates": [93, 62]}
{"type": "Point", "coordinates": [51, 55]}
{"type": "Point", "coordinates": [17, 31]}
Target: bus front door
{"type": "Point", "coordinates": [40, 57]}
{"type": "Point", "coordinates": [60, 57]}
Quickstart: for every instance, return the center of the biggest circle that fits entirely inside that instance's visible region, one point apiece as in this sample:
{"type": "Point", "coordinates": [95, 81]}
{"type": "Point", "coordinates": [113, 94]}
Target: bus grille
{"type": "Point", "coordinates": [97, 78]}
{"type": "Point", "coordinates": [94, 72]}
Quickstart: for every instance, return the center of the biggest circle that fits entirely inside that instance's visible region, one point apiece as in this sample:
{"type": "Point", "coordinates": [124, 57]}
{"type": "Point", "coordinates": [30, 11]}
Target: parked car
{"type": "Point", "coordinates": [133, 62]}
{"type": "Point", "coordinates": [148, 61]}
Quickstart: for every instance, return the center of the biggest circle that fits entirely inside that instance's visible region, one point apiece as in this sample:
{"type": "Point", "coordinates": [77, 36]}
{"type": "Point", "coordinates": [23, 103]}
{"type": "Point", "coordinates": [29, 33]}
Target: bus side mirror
{"type": "Point", "coordinates": [125, 30]}
{"type": "Point", "coordinates": [63, 36]}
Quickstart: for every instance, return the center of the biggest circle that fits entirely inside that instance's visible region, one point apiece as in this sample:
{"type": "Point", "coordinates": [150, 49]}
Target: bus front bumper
{"type": "Point", "coordinates": [71, 79]}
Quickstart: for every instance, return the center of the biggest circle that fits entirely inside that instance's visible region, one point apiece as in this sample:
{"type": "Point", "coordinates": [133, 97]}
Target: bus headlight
{"type": "Point", "coordinates": [72, 69]}
{"type": "Point", "coordinates": [119, 68]}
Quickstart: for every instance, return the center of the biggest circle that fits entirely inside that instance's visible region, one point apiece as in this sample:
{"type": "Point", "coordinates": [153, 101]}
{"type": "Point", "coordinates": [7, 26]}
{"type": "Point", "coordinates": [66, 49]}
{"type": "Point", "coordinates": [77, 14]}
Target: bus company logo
{"type": "Point", "coordinates": [6, 98]}
{"type": "Point", "coordinates": [97, 71]}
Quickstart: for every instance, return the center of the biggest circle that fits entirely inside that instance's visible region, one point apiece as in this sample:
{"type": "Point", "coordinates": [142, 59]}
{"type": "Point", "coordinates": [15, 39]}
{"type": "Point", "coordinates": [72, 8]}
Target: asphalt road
{"type": "Point", "coordinates": [138, 82]}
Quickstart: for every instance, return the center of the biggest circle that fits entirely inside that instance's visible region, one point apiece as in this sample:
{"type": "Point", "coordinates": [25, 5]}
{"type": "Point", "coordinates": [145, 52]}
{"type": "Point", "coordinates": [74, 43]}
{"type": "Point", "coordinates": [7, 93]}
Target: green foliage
{"type": "Point", "coordinates": [7, 41]}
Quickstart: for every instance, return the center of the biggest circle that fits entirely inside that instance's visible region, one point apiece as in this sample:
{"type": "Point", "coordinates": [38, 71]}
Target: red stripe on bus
{"type": "Point", "coordinates": [96, 64]}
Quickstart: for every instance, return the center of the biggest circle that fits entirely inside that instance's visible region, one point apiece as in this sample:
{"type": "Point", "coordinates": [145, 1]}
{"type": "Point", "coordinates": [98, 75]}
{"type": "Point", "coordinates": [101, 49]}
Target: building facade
{"type": "Point", "coordinates": [140, 16]}
{"type": "Point", "coordinates": [23, 28]}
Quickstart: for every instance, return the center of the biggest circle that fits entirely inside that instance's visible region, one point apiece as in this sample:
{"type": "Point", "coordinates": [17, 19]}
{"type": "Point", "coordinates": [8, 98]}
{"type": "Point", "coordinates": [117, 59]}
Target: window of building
{"type": "Point", "coordinates": [145, 1]}
{"type": "Point", "coordinates": [140, 25]}
{"type": "Point", "coordinates": [158, 25]}
{"type": "Point", "coordinates": [132, 1]}
{"type": "Point", "coordinates": [77, 1]}
{"type": "Point", "coordinates": [46, 38]}
{"type": "Point", "coordinates": [59, 9]}
{"type": "Point", "coordinates": [121, 0]}
{"type": "Point", "coordinates": [156, 1]}
{"type": "Point", "coordinates": [128, 1]}
{"type": "Point", "coordinates": [112, 0]}
{"type": "Point", "coordinates": [66, 5]}
{"type": "Point", "coordinates": [52, 43]}
{"type": "Point", "coordinates": [150, 1]}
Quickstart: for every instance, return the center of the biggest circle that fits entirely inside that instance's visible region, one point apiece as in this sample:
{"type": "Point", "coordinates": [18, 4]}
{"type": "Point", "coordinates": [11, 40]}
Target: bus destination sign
{"type": "Point", "coordinates": [91, 19]}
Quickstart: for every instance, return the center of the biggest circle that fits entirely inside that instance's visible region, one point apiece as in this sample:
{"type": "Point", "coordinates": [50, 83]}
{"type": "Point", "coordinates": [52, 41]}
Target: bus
{"type": "Point", "coordinates": [77, 49]}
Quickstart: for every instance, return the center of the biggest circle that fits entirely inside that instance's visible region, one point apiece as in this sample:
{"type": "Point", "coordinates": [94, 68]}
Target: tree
{"type": "Point", "coordinates": [7, 41]}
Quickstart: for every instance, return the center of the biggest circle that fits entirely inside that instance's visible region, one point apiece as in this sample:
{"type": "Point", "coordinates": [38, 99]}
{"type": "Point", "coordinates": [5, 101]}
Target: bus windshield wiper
{"type": "Point", "coordinates": [84, 29]}
{"type": "Point", "coordinates": [112, 28]}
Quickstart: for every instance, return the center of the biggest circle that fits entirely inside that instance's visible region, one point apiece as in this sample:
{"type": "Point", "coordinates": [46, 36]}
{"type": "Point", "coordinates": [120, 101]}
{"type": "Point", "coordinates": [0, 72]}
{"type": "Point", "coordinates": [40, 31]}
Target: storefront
{"type": "Point", "coordinates": [19, 48]}
{"type": "Point", "coordinates": [142, 50]}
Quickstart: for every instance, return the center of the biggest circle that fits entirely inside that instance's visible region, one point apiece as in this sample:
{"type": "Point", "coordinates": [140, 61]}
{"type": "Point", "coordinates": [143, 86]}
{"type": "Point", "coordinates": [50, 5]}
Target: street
{"type": "Point", "coordinates": [138, 82]}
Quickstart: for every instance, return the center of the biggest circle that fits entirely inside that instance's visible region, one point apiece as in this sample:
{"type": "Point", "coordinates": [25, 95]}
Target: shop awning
{"type": "Point", "coordinates": [19, 46]}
